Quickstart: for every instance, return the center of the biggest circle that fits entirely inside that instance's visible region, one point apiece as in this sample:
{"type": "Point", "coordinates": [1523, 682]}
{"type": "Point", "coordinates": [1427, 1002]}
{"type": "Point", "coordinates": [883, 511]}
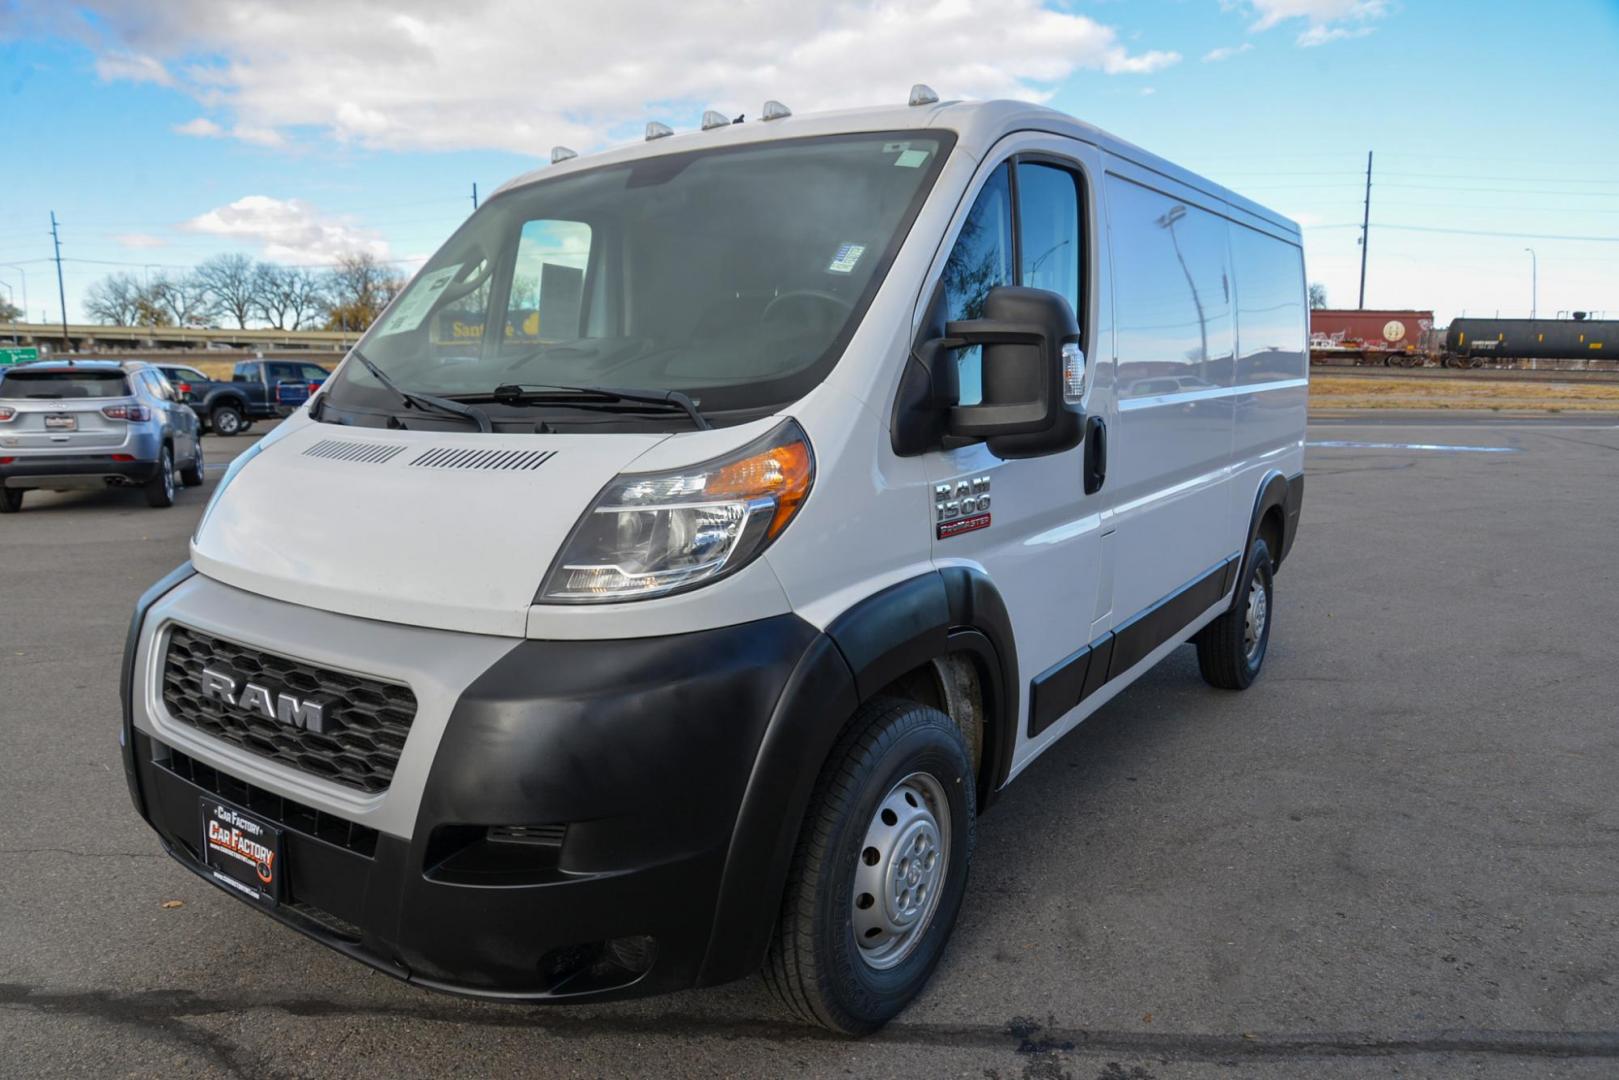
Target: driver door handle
{"type": "Point", "coordinates": [1095, 454]}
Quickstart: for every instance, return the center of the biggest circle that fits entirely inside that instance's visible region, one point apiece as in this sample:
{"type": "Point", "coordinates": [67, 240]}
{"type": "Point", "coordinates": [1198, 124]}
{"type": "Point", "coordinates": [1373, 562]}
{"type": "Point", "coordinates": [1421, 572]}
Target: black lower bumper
{"type": "Point", "coordinates": [85, 465]}
{"type": "Point", "coordinates": [593, 811]}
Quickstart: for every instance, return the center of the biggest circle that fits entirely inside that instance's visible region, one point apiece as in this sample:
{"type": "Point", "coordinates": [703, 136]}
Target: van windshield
{"type": "Point", "coordinates": [733, 275]}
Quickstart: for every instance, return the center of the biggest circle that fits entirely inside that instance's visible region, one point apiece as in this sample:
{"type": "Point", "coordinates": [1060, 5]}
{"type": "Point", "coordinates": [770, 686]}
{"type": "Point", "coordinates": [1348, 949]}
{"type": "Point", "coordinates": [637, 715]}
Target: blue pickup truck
{"type": "Point", "coordinates": [258, 390]}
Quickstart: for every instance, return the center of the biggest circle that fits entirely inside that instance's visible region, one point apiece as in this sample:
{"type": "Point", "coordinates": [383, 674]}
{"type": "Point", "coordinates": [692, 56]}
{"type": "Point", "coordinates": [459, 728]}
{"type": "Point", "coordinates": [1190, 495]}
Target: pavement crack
{"type": "Point", "coordinates": [167, 1011]}
{"type": "Point", "coordinates": [81, 854]}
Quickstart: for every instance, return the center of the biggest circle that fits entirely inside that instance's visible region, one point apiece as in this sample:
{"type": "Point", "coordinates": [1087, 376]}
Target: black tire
{"type": "Point", "coordinates": [160, 489]}
{"type": "Point", "coordinates": [1228, 655]}
{"type": "Point", "coordinates": [227, 420]}
{"type": "Point", "coordinates": [10, 500]}
{"type": "Point", "coordinates": [191, 475]}
{"type": "Point", "coordinates": [815, 965]}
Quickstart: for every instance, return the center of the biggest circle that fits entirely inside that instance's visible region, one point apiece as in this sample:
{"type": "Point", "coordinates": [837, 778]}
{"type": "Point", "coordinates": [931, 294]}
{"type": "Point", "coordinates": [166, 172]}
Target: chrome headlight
{"type": "Point", "coordinates": [652, 534]}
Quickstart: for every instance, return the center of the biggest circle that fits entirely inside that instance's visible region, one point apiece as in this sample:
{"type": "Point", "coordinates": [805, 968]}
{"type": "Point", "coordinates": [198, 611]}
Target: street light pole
{"type": "Point", "coordinates": [24, 274]}
{"type": "Point", "coordinates": [1534, 283]}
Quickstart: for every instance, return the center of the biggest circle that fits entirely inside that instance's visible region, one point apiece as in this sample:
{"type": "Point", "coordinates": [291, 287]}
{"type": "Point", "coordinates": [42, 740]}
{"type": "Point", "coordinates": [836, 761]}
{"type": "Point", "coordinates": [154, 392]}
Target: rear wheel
{"type": "Point", "coordinates": [227, 420]}
{"type": "Point", "coordinates": [10, 500]}
{"type": "Point", "coordinates": [161, 487]}
{"type": "Point", "coordinates": [1231, 649]}
{"type": "Point", "coordinates": [192, 474]}
{"type": "Point", "coordinates": [880, 870]}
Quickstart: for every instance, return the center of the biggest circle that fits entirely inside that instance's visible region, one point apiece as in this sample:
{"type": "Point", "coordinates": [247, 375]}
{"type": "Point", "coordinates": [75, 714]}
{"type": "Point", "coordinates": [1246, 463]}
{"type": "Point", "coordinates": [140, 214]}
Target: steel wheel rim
{"type": "Point", "coordinates": [226, 423]}
{"type": "Point", "coordinates": [1253, 631]}
{"type": "Point", "coordinates": [900, 871]}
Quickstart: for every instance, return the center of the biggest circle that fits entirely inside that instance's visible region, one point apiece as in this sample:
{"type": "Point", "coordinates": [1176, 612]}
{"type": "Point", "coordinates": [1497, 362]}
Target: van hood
{"type": "Point", "coordinates": [449, 530]}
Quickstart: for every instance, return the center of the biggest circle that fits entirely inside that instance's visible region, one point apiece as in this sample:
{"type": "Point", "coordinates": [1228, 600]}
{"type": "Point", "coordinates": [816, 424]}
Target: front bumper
{"type": "Point", "coordinates": [631, 760]}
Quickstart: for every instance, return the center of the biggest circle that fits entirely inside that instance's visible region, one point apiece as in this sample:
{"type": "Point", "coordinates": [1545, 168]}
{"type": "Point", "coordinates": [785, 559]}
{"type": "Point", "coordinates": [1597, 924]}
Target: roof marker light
{"type": "Point", "coordinates": [922, 94]}
{"type": "Point", "coordinates": [559, 154]}
{"type": "Point", "coordinates": [712, 120]}
{"type": "Point", "coordinates": [656, 130]}
{"type": "Point", "coordinates": [774, 110]}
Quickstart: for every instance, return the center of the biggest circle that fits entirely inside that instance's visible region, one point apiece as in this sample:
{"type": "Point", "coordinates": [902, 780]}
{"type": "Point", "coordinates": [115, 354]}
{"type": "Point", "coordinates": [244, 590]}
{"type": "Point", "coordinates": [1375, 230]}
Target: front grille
{"type": "Point", "coordinates": [289, 814]}
{"type": "Point", "coordinates": [367, 720]}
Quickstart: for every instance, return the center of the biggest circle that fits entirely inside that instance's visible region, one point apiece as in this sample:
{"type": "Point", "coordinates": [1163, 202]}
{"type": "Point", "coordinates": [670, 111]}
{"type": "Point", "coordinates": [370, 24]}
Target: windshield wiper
{"type": "Point", "coordinates": [425, 402]}
{"type": "Point", "coordinates": [539, 393]}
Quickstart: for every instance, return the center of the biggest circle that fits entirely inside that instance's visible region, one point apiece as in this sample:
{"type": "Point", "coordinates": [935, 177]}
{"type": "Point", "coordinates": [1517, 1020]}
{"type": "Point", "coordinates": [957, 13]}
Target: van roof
{"type": "Point", "coordinates": [978, 125]}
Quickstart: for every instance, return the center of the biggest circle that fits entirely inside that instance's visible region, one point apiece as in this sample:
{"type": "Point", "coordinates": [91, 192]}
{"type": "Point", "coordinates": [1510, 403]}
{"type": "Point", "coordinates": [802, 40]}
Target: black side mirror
{"type": "Point", "coordinates": [1031, 356]}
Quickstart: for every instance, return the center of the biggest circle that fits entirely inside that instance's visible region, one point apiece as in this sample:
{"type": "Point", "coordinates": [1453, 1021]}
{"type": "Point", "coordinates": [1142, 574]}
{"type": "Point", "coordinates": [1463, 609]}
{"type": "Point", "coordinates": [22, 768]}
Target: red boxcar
{"type": "Point", "coordinates": [1401, 338]}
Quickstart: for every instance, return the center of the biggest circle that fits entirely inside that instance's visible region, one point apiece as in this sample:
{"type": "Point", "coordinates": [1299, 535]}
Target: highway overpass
{"type": "Point", "coordinates": [90, 338]}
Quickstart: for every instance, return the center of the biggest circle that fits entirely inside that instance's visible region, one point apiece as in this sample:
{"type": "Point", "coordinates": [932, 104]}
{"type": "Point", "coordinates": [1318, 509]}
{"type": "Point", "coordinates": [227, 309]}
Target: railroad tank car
{"type": "Point", "coordinates": [1534, 339]}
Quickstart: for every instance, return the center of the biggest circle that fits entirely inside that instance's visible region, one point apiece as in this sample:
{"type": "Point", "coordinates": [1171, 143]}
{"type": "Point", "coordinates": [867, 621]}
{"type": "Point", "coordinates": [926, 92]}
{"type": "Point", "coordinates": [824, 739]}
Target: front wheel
{"type": "Point", "coordinates": [1231, 649]}
{"type": "Point", "coordinates": [880, 870]}
{"type": "Point", "coordinates": [160, 488]}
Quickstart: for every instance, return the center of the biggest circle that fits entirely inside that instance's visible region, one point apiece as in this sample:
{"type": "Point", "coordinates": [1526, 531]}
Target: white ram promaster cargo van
{"type": "Point", "coordinates": [707, 535]}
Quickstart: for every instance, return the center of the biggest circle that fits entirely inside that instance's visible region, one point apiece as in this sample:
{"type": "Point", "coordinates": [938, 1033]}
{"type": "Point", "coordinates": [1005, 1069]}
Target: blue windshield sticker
{"type": "Point", "coordinates": [844, 261]}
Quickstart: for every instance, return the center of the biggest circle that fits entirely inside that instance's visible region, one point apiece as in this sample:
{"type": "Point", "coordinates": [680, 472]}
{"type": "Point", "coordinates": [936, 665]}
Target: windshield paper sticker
{"type": "Point", "coordinates": [848, 254]}
{"type": "Point", "coordinates": [911, 159]}
{"type": "Point", "coordinates": [413, 307]}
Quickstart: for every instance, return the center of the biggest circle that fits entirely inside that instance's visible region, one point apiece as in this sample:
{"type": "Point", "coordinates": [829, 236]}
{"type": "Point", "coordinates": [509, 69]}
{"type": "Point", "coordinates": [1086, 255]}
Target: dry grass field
{"type": "Point", "coordinates": [1394, 392]}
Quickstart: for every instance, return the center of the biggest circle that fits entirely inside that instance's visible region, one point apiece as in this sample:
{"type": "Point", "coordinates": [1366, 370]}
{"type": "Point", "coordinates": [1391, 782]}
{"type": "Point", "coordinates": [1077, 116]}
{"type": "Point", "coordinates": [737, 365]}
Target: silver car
{"type": "Point", "coordinates": [92, 424]}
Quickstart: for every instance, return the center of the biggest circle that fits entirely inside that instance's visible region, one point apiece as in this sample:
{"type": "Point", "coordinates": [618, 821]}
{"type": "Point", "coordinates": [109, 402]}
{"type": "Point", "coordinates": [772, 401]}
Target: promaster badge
{"type": "Point", "coordinates": [961, 506]}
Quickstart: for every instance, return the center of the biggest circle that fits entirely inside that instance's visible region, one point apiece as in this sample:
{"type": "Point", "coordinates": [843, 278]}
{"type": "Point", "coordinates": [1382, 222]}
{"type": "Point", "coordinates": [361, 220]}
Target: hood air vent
{"type": "Point", "coordinates": [344, 450]}
{"type": "Point", "coordinates": [500, 460]}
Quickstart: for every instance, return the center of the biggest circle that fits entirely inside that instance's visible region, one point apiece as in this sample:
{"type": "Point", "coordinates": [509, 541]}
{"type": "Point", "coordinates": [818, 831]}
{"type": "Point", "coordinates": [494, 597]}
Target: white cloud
{"type": "Point", "coordinates": [287, 230]}
{"type": "Point", "coordinates": [125, 66]}
{"type": "Point", "coordinates": [200, 128]}
{"type": "Point", "coordinates": [139, 241]}
{"type": "Point", "coordinates": [1328, 20]}
{"type": "Point", "coordinates": [1226, 52]}
{"type": "Point", "coordinates": [204, 128]}
{"type": "Point", "coordinates": [516, 75]}
{"type": "Point", "coordinates": [1320, 35]}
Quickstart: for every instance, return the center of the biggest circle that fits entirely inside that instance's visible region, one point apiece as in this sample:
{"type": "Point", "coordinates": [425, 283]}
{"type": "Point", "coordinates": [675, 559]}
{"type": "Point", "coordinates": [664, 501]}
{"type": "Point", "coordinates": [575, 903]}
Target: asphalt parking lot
{"type": "Point", "coordinates": [1395, 855]}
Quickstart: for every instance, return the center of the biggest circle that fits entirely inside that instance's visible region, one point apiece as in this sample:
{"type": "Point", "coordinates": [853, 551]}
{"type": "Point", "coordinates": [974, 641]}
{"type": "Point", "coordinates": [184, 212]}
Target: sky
{"type": "Point", "coordinates": [163, 132]}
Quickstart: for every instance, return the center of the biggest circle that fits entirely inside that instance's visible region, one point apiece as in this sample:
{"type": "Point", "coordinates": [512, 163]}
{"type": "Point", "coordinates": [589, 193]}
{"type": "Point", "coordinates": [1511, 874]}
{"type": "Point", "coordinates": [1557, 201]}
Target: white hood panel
{"type": "Point", "coordinates": [461, 546]}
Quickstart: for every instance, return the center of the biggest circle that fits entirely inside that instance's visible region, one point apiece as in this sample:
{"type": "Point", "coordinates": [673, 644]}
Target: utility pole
{"type": "Point", "coordinates": [1365, 227]}
{"type": "Point", "coordinates": [475, 195]}
{"type": "Point", "coordinates": [61, 290]}
{"type": "Point", "coordinates": [1534, 283]}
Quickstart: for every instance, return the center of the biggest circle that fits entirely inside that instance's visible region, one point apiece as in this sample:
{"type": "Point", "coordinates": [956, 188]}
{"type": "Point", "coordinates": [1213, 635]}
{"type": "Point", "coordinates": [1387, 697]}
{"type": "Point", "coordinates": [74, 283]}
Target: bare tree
{"type": "Point", "coordinates": [185, 300]}
{"type": "Point", "coordinates": [286, 297]}
{"type": "Point", "coordinates": [1318, 296]}
{"type": "Point", "coordinates": [232, 285]}
{"type": "Point", "coordinates": [358, 288]}
{"type": "Point", "coordinates": [115, 300]}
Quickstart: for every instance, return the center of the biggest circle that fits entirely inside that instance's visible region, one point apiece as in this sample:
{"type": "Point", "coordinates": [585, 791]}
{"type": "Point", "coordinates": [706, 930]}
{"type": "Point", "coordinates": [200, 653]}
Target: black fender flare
{"type": "Point", "coordinates": [225, 397]}
{"type": "Point", "coordinates": [955, 609]}
{"type": "Point", "coordinates": [1276, 492]}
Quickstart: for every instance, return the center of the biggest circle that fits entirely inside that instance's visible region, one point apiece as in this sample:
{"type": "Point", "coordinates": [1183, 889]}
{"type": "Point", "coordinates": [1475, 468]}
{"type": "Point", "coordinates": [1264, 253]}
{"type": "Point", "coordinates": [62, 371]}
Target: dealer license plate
{"type": "Point", "coordinates": [242, 852]}
{"type": "Point", "coordinates": [61, 423]}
